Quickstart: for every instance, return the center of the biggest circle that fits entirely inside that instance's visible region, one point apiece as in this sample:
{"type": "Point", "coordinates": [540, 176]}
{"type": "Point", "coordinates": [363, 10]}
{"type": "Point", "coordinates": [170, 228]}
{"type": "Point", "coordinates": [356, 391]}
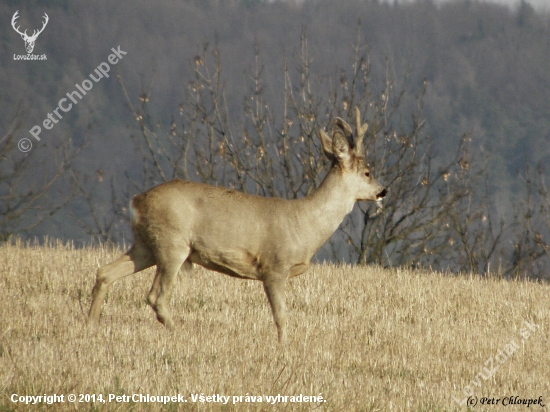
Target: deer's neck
{"type": "Point", "coordinates": [325, 209]}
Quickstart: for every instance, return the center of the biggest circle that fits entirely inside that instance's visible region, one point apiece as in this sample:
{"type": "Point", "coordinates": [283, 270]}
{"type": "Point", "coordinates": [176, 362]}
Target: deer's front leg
{"type": "Point", "coordinates": [275, 290]}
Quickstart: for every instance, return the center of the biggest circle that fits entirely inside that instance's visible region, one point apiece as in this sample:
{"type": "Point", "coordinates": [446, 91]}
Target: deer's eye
{"type": "Point", "coordinates": [367, 174]}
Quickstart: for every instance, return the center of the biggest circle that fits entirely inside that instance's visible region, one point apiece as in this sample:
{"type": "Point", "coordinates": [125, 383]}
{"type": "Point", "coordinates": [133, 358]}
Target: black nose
{"type": "Point", "coordinates": [382, 194]}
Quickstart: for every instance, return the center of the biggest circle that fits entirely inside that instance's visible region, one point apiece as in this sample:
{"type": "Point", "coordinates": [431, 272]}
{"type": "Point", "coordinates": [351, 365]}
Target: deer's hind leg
{"type": "Point", "coordinates": [137, 258]}
{"type": "Point", "coordinates": [168, 266]}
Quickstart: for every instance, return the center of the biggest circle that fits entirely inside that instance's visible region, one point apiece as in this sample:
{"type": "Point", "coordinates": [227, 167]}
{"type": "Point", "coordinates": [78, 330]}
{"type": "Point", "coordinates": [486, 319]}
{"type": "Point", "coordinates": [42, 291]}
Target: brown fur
{"type": "Point", "coordinates": [179, 223]}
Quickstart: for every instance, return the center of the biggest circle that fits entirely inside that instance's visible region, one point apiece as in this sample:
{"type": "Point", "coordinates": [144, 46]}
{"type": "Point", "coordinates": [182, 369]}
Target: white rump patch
{"type": "Point", "coordinates": [133, 212]}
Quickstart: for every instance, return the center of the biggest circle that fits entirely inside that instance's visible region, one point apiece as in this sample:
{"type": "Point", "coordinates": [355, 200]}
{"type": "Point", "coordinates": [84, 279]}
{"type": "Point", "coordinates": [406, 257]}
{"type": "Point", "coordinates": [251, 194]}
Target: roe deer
{"type": "Point", "coordinates": [179, 223]}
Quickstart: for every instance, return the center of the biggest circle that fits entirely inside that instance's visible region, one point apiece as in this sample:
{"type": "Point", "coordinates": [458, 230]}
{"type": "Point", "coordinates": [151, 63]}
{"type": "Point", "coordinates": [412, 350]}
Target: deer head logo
{"type": "Point", "coordinates": [29, 40]}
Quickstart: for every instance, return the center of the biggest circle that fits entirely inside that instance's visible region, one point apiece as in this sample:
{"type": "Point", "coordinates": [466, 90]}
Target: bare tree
{"type": "Point", "coordinates": [103, 222]}
{"type": "Point", "coordinates": [435, 213]}
{"type": "Point", "coordinates": [530, 256]}
{"type": "Point", "coordinates": [27, 198]}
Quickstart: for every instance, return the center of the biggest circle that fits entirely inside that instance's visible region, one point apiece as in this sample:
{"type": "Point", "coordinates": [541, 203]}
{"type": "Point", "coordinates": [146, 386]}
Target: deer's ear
{"type": "Point", "coordinates": [341, 148]}
{"type": "Point", "coordinates": [326, 142]}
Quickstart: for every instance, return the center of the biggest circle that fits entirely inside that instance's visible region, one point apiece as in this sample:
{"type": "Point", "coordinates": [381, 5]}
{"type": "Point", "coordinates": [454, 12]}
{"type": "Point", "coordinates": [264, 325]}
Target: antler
{"type": "Point", "coordinates": [15, 17]}
{"type": "Point", "coordinates": [360, 130]}
{"type": "Point", "coordinates": [36, 33]}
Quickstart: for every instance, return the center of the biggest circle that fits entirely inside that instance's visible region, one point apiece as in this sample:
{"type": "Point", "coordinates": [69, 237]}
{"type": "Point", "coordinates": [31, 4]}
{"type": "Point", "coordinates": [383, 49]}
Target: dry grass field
{"type": "Point", "coordinates": [364, 338]}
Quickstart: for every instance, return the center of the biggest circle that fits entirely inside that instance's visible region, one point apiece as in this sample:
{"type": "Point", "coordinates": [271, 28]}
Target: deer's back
{"type": "Point", "coordinates": [226, 230]}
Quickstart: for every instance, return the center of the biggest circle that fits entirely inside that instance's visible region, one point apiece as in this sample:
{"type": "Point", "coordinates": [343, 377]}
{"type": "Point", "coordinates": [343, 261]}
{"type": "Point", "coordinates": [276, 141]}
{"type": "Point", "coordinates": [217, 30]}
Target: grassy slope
{"type": "Point", "coordinates": [366, 338]}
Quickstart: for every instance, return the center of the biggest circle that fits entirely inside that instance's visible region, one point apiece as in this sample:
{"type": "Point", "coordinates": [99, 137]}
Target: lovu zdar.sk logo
{"type": "Point", "coordinates": [29, 40]}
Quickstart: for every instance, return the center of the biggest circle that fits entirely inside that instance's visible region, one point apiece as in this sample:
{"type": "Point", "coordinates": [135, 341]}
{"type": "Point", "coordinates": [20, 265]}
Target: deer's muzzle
{"type": "Point", "coordinates": [382, 194]}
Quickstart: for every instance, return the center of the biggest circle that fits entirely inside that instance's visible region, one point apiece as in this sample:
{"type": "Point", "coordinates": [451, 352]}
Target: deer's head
{"type": "Point", "coordinates": [29, 40]}
{"type": "Point", "coordinates": [345, 150]}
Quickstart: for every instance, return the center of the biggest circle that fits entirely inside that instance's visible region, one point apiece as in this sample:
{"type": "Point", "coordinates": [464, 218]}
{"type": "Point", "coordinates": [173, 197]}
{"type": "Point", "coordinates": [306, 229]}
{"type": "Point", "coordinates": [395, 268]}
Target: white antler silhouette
{"type": "Point", "coordinates": [29, 40]}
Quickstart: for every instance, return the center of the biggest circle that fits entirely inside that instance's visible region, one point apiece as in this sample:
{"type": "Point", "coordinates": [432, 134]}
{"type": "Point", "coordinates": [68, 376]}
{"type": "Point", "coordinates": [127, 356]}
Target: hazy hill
{"type": "Point", "coordinates": [485, 66]}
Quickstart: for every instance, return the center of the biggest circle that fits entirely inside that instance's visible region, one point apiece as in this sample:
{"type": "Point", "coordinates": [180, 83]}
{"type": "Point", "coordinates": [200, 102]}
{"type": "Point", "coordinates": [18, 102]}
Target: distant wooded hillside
{"type": "Point", "coordinates": [476, 69]}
